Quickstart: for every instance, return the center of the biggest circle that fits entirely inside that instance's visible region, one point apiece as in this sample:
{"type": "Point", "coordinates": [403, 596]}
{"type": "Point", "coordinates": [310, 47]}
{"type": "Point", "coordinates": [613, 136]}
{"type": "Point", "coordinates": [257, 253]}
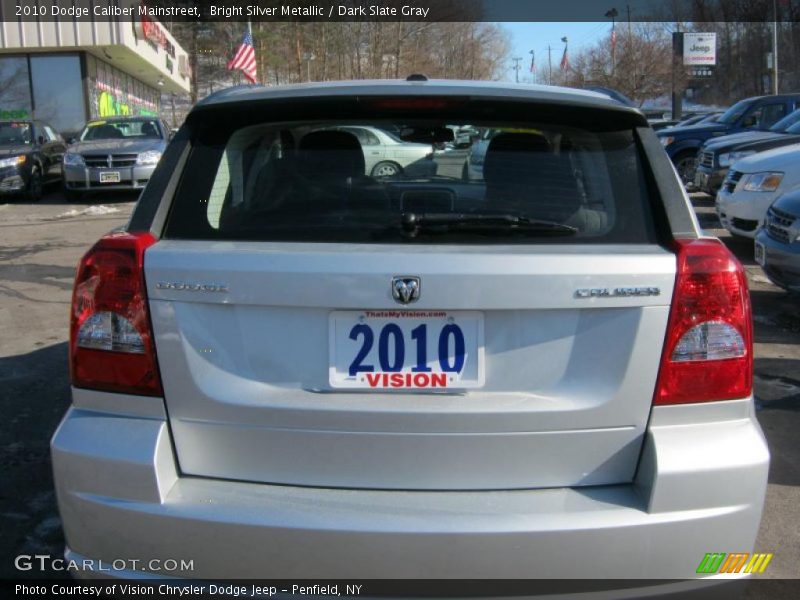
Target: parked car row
{"type": "Point", "coordinates": [118, 153]}
{"type": "Point", "coordinates": [751, 114]}
{"type": "Point", "coordinates": [750, 161]}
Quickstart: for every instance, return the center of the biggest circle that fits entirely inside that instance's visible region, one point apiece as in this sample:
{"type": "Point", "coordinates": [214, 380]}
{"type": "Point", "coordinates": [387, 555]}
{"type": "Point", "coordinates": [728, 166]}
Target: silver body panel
{"type": "Point", "coordinates": [699, 488]}
{"type": "Point", "coordinates": [245, 370]}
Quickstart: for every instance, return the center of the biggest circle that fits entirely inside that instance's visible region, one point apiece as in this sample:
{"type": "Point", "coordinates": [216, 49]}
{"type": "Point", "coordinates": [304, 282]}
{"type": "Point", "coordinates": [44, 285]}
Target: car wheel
{"type": "Point", "coordinates": [686, 165]}
{"type": "Point", "coordinates": [386, 169]}
{"type": "Point", "coordinates": [35, 186]}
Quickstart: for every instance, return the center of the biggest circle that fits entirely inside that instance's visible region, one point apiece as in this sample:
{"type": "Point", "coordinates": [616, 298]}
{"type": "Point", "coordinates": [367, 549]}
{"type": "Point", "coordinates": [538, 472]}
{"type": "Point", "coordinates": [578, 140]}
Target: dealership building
{"type": "Point", "coordinates": [66, 71]}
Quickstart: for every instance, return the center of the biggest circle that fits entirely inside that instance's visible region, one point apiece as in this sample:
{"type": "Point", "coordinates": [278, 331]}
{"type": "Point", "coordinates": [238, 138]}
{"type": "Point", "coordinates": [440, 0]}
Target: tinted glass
{"type": "Point", "coordinates": [58, 91]}
{"type": "Point", "coordinates": [794, 128]}
{"type": "Point", "coordinates": [786, 122]}
{"type": "Point", "coordinates": [51, 135]}
{"type": "Point", "coordinates": [317, 181]}
{"type": "Point", "coordinates": [735, 112]}
{"type": "Point", "coordinates": [770, 114]}
{"type": "Point", "coordinates": [121, 129]}
{"type": "Point", "coordinates": [15, 96]}
{"type": "Point", "coordinates": [14, 134]}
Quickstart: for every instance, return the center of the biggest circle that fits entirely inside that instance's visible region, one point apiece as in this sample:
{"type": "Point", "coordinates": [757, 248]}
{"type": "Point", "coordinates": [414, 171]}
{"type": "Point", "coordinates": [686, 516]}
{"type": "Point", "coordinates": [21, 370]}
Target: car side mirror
{"type": "Point", "coordinates": [71, 140]}
{"type": "Point", "coordinates": [41, 139]}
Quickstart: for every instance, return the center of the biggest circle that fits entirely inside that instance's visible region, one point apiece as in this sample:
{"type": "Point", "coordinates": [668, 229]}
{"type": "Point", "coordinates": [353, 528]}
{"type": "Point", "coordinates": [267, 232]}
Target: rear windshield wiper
{"type": "Point", "coordinates": [415, 223]}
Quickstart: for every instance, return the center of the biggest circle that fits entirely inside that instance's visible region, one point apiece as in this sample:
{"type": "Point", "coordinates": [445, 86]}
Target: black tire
{"type": "Point", "coordinates": [686, 166]}
{"type": "Point", "coordinates": [386, 168]}
{"type": "Point", "coordinates": [35, 186]}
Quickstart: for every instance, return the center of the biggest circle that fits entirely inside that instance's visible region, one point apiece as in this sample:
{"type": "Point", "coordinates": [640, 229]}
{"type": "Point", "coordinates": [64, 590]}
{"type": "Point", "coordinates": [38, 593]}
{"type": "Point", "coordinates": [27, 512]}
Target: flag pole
{"type": "Point", "coordinates": [250, 32]}
{"type": "Point", "coordinates": [774, 47]}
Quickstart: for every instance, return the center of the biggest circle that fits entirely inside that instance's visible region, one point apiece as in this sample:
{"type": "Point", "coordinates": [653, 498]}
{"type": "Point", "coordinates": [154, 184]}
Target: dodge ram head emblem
{"type": "Point", "coordinates": [405, 290]}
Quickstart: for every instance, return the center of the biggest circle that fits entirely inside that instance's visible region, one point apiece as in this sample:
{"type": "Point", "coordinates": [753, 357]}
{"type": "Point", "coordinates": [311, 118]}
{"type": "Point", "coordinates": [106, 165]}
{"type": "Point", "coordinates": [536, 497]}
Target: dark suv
{"type": "Point", "coordinates": [717, 155]}
{"type": "Point", "coordinates": [757, 113]}
{"type": "Point", "coordinates": [30, 157]}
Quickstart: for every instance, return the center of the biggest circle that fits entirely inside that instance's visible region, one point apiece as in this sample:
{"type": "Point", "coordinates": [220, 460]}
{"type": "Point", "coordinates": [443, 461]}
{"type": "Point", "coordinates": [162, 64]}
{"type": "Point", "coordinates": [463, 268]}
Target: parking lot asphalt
{"type": "Point", "coordinates": [40, 245]}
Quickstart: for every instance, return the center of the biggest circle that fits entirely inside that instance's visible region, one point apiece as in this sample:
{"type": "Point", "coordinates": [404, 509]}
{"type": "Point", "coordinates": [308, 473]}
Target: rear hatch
{"type": "Point", "coordinates": [316, 325]}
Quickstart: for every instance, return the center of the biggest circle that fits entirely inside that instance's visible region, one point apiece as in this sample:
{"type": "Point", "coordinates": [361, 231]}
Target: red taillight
{"type": "Point", "coordinates": [708, 352]}
{"type": "Point", "coordinates": [111, 339]}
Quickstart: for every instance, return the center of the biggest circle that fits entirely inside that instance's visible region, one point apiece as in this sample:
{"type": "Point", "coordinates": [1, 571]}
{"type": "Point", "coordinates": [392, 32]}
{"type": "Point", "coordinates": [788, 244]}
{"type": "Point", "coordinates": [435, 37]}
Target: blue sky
{"type": "Point", "coordinates": [536, 36]}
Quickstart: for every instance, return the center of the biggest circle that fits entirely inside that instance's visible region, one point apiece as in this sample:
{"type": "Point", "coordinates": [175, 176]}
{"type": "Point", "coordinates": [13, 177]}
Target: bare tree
{"type": "Point", "coordinates": [643, 68]}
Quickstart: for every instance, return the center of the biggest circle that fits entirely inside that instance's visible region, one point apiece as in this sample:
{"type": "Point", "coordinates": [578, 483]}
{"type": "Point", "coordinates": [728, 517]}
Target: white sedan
{"type": "Point", "coordinates": [753, 184]}
{"type": "Point", "coordinates": [386, 155]}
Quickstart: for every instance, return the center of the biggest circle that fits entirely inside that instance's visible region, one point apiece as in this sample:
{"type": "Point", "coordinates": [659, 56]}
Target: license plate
{"type": "Point", "coordinates": [406, 349]}
{"type": "Point", "coordinates": [109, 177]}
{"type": "Point", "coordinates": [759, 254]}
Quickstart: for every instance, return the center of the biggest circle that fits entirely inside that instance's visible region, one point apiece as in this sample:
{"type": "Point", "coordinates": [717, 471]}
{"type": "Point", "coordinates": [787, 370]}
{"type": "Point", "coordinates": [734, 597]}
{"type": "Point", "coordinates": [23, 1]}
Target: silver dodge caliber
{"type": "Point", "coordinates": [289, 366]}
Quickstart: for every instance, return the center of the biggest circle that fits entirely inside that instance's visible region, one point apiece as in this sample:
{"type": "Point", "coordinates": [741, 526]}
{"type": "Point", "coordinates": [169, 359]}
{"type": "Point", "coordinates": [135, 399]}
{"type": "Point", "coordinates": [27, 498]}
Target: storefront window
{"type": "Point", "coordinates": [114, 92]}
{"type": "Point", "coordinates": [15, 93]}
{"type": "Point", "coordinates": [57, 91]}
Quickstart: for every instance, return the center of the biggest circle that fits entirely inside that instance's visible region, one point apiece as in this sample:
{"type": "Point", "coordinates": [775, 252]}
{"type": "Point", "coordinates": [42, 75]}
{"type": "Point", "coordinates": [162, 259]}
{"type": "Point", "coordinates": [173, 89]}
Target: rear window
{"type": "Point", "coordinates": [410, 181]}
{"type": "Point", "coordinates": [15, 133]}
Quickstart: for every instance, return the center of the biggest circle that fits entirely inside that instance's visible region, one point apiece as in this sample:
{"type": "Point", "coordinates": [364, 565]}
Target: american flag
{"type": "Point", "coordinates": [565, 57]}
{"type": "Point", "coordinates": [245, 58]}
{"type": "Point", "coordinates": [565, 60]}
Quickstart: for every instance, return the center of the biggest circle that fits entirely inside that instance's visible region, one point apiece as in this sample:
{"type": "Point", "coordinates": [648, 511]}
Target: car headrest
{"type": "Point", "coordinates": [331, 154]}
{"type": "Point", "coordinates": [149, 130]}
{"type": "Point", "coordinates": [508, 156]}
{"type": "Point", "coordinates": [108, 132]}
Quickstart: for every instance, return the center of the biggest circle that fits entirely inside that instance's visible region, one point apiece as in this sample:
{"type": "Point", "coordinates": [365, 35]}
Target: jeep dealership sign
{"type": "Point", "coordinates": [700, 49]}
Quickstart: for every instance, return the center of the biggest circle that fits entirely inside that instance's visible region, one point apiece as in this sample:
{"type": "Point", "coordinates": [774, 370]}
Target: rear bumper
{"type": "Point", "coordinates": [700, 488]}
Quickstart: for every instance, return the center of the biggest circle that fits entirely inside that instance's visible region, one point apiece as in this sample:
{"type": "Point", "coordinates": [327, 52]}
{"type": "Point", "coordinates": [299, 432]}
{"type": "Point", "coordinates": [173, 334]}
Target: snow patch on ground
{"type": "Point", "coordinates": [92, 211]}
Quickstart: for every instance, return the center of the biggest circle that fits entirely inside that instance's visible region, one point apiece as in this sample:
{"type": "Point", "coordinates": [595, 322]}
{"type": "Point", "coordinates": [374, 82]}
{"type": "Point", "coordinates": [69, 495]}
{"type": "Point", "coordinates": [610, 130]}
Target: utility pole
{"type": "Point", "coordinates": [775, 47]}
{"type": "Point", "coordinates": [549, 66]}
{"type": "Point", "coordinates": [612, 14]}
{"type": "Point", "coordinates": [516, 67]}
{"type": "Point", "coordinates": [630, 46]}
{"type": "Point", "coordinates": [308, 57]}
{"type": "Point", "coordinates": [677, 59]}
{"type": "Point", "coordinates": [628, 8]}
{"type": "Point", "coordinates": [533, 65]}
